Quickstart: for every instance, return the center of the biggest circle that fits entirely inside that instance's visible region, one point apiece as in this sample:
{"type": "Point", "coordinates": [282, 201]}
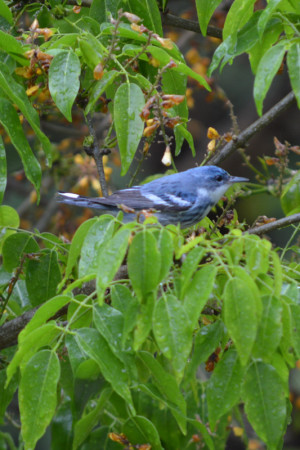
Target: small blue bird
{"type": "Point", "coordinates": [184, 197]}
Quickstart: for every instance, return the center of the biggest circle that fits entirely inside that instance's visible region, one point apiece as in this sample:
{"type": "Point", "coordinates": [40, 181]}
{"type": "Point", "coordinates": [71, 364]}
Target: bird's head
{"type": "Point", "coordinates": [213, 181]}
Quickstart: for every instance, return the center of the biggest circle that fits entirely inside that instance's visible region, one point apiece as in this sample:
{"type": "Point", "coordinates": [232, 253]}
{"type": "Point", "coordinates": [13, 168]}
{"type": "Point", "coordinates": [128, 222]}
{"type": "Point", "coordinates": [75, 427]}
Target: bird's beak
{"type": "Point", "coordinates": [238, 179]}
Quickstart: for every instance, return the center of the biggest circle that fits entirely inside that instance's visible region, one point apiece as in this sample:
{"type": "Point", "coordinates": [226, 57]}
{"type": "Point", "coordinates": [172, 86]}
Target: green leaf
{"type": "Point", "coordinates": [188, 268]}
{"type": "Point", "coordinates": [6, 393]}
{"type": "Point", "coordinates": [266, 15]}
{"type": "Point", "coordinates": [17, 95]}
{"type": "Point", "coordinates": [123, 300]}
{"type": "Point", "coordinates": [44, 313]}
{"type": "Point", "coordinates": [295, 313]}
{"type": "Point", "coordinates": [76, 244]}
{"type": "Point", "coordinates": [206, 341]}
{"type": "Point", "coordinates": [149, 12]}
{"type": "Point", "coordinates": [89, 53]}
{"type": "Point", "coordinates": [64, 81]}
{"type": "Point", "coordinates": [144, 263]}
{"type": "Point", "coordinates": [9, 44]}
{"type": "Point", "coordinates": [257, 254]}
{"type": "Point", "coordinates": [128, 104]}
{"type": "Point", "coordinates": [100, 10]}
{"type": "Point", "coordinates": [265, 402]}
{"type": "Point", "coordinates": [40, 337]}
{"type": "Point", "coordinates": [14, 248]}
{"type": "Point", "coordinates": [184, 132]}
{"type": "Point", "coordinates": [165, 247]}
{"type": "Point", "coordinates": [143, 320]}
{"type": "Point", "coordinates": [109, 322]}
{"type": "Point", "coordinates": [42, 277]}
{"type": "Point", "coordinates": [272, 31]}
{"type": "Point", "coordinates": [205, 434]}
{"type": "Point", "coordinates": [110, 257]}
{"type": "Point", "coordinates": [269, 330]}
{"type": "Point", "coordinates": [6, 12]}
{"type": "Point", "coordinates": [113, 370]}
{"type": "Point", "coordinates": [238, 15]}
{"type": "Point", "coordinates": [167, 385]}
{"type": "Point", "coordinates": [85, 425]}
{"type": "Point", "coordinates": [266, 71]}
{"type": "Point", "coordinates": [99, 87]}
{"type": "Point", "coordinates": [172, 332]}
{"type": "Point", "coordinates": [11, 122]}
{"type": "Point", "coordinates": [198, 292]}
{"type": "Point", "coordinates": [205, 10]}
{"type": "Point", "coordinates": [290, 197]}
{"type": "Point", "coordinates": [139, 430]}
{"type": "Point", "coordinates": [3, 170]}
{"type": "Point", "coordinates": [240, 316]}
{"type": "Point", "coordinates": [224, 386]}
{"type": "Point", "coordinates": [38, 396]}
{"type": "Point", "coordinates": [96, 235]}
{"type": "Point", "coordinates": [9, 217]}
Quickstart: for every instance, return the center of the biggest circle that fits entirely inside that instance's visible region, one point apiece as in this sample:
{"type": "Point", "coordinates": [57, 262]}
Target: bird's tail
{"type": "Point", "coordinates": [78, 200]}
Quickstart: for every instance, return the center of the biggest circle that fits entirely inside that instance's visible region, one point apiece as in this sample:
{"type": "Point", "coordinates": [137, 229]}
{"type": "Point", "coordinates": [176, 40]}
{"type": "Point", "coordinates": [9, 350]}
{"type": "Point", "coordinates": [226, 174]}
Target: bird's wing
{"type": "Point", "coordinates": [139, 198]}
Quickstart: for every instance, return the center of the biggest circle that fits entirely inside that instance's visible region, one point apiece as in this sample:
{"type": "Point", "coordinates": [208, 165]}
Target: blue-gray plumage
{"type": "Point", "coordinates": [184, 197]}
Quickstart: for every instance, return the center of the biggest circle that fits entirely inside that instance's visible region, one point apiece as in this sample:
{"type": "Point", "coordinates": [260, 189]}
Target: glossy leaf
{"type": "Point", "coordinates": [38, 338]}
{"type": "Point", "coordinates": [14, 248]}
{"type": "Point", "coordinates": [295, 312]}
{"type": "Point", "coordinates": [148, 11]}
{"type": "Point", "coordinates": [11, 122]}
{"type": "Point", "coordinates": [205, 343]}
{"type": "Point", "coordinates": [128, 104]}
{"type": "Point", "coordinates": [172, 332]}
{"type": "Point", "coordinates": [189, 267]}
{"type": "Point", "coordinates": [97, 234]}
{"type": "Point", "coordinates": [64, 81]}
{"type": "Point", "coordinates": [293, 63]}
{"type": "Point", "coordinates": [205, 11]}
{"type": "Point", "coordinates": [269, 330]}
{"type": "Point", "coordinates": [224, 386]}
{"type": "Point", "coordinates": [198, 292]}
{"type": "Point", "coordinates": [266, 71]}
{"type": "Point", "coordinates": [42, 277]}
{"type": "Point", "coordinates": [99, 87]}
{"type": "Point", "coordinates": [110, 257]}
{"type": "Point", "coordinates": [96, 347]}
{"type": "Point", "coordinates": [167, 385]}
{"type": "Point", "coordinates": [139, 430]}
{"type": "Point", "coordinates": [109, 322]}
{"type": "Point", "coordinates": [184, 132]}
{"type": "Point", "coordinates": [9, 44]}
{"type": "Point", "coordinates": [290, 197]}
{"type": "Point", "coordinates": [37, 395]}
{"type": "Point", "coordinates": [240, 316]}
{"type": "Point", "coordinates": [257, 254]}
{"type": "Point", "coordinates": [238, 15]}
{"type": "Point", "coordinates": [144, 263]}
{"type": "Point", "coordinates": [6, 12]}
{"type": "Point", "coordinates": [101, 9]}
{"type": "Point", "coordinates": [17, 95]}
{"type": "Point", "coordinates": [43, 314]}
{"type": "Point", "coordinates": [85, 425]}
{"type": "Point", "coordinates": [165, 247]}
{"type": "Point", "coordinates": [77, 243]}
{"type": "Point", "coordinates": [265, 402]}
{"type": "Point", "coordinates": [270, 36]}
{"type": "Point", "coordinates": [266, 15]}
{"type": "Point", "coordinates": [3, 170]}
{"type": "Point", "coordinates": [143, 320]}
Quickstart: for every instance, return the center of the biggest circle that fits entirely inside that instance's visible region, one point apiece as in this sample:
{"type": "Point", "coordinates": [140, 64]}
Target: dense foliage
{"type": "Point", "coordinates": [143, 336]}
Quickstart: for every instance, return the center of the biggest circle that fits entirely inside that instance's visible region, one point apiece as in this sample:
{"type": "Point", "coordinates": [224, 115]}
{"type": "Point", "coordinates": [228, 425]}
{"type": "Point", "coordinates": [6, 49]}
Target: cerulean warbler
{"type": "Point", "coordinates": [183, 198]}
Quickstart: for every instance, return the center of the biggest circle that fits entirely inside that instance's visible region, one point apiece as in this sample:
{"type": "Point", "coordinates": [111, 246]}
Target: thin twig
{"type": "Point", "coordinates": [191, 25]}
{"type": "Point", "coordinates": [96, 153]}
{"type": "Point", "coordinates": [280, 223]}
{"type": "Point", "coordinates": [254, 128]}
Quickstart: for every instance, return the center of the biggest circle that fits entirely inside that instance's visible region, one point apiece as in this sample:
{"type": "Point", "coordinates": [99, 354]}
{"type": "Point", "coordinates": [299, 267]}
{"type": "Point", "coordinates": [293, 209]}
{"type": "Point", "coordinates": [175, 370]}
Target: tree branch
{"type": "Point", "coordinates": [191, 25]}
{"type": "Point", "coordinates": [255, 127]}
{"type": "Point", "coordinates": [280, 223]}
{"type": "Point", "coordinates": [94, 150]}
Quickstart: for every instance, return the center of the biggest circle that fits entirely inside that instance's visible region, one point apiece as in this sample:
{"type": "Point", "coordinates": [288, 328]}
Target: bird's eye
{"type": "Point", "coordinates": [219, 178]}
